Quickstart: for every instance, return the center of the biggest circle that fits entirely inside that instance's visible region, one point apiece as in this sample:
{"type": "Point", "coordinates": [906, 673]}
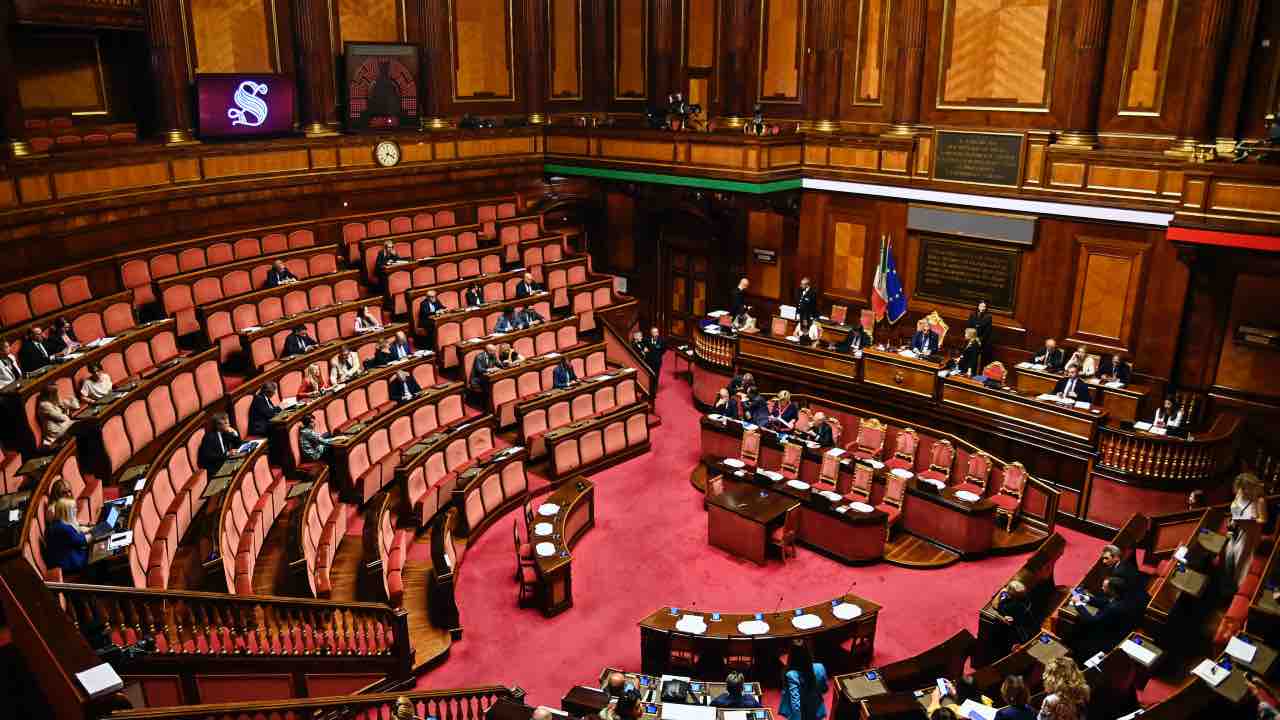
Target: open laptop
{"type": "Point", "coordinates": [107, 525]}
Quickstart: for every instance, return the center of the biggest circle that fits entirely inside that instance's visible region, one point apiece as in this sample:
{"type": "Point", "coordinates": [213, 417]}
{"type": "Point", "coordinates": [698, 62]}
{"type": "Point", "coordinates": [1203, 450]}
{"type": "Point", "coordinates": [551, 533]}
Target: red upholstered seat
{"type": "Point", "coordinates": [904, 450]}
{"type": "Point", "coordinates": [977, 470]}
{"type": "Point", "coordinates": [792, 453]}
{"type": "Point", "coordinates": [861, 485]}
{"type": "Point", "coordinates": [1008, 498]}
{"type": "Point", "coordinates": [941, 457]}
{"type": "Point", "coordinates": [894, 497]}
{"type": "Point", "coordinates": [869, 444]}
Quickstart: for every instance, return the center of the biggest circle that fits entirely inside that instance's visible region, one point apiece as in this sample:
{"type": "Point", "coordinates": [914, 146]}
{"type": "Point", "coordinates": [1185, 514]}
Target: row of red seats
{"type": "Point", "coordinates": [540, 340]}
{"type": "Point", "coordinates": [538, 250]}
{"type": "Point", "coordinates": [163, 510]}
{"type": "Point", "coordinates": [324, 325]}
{"type": "Point", "coordinates": [512, 230]}
{"type": "Point", "coordinates": [59, 133]}
{"type": "Point", "coordinates": [420, 245]}
{"type": "Point", "coordinates": [605, 437]}
{"type": "Point", "coordinates": [392, 545]}
{"type": "Point", "coordinates": [533, 377]}
{"type": "Point", "coordinates": [493, 489]}
{"type": "Point", "coordinates": [10, 462]}
{"type": "Point", "coordinates": [223, 319]}
{"type": "Point", "coordinates": [498, 288]}
{"type": "Point", "coordinates": [250, 506]}
{"type": "Point", "coordinates": [487, 212]}
{"type": "Point", "coordinates": [431, 475]}
{"type": "Point", "coordinates": [589, 297]}
{"type": "Point", "coordinates": [181, 294]}
{"type": "Point", "coordinates": [481, 322]}
{"type": "Point", "coordinates": [22, 301]}
{"type": "Point", "coordinates": [87, 492]}
{"type": "Point", "coordinates": [324, 523]}
{"type": "Point", "coordinates": [138, 270]}
{"type": "Point", "coordinates": [595, 396]}
{"type": "Point", "coordinates": [460, 265]}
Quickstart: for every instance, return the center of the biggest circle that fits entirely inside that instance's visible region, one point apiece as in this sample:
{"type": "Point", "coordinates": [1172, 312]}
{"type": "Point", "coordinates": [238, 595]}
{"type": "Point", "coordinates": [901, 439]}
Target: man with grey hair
{"type": "Point", "coordinates": [1118, 565]}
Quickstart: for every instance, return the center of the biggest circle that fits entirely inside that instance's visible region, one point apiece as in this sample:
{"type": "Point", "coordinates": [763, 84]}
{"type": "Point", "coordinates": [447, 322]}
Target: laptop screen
{"type": "Point", "coordinates": [112, 516]}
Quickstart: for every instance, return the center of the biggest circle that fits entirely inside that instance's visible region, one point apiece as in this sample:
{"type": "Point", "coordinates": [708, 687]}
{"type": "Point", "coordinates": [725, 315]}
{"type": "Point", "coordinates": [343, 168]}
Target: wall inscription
{"type": "Point", "coordinates": [988, 158]}
{"type": "Point", "coordinates": [961, 272]}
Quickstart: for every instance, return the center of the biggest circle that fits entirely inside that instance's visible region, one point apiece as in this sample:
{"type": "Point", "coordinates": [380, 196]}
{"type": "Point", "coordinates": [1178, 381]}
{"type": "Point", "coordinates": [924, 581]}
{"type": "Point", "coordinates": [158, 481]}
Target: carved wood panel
{"type": "Point", "coordinates": [1108, 284]}
{"type": "Point", "coordinates": [1147, 51]}
{"type": "Point", "coordinates": [845, 255]}
{"type": "Point", "coordinates": [371, 20]}
{"type": "Point", "coordinates": [60, 73]}
{"type": "Point", "coordinates": [866, 57]}
{"type": "Point", "coordinates": [564, 25]}
{"type": "Point", "coordinates": [483, 55]}
{"type": "Point", "coordinates": [234, 35]}
{"type": "Point", "coordinates": [998, 54]}
{"type": "Point", "coordinates": [701, 44]}
{"type": "Point", "coordinates": [781, 48]}
{"type": "Point", "coordinates": [764, 231]}
{"type": "Point", "coordinates": [630, 49]}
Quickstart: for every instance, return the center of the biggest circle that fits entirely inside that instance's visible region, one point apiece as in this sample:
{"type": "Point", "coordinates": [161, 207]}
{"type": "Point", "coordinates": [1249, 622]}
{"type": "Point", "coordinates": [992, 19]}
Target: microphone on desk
{"type": "Point", "coordinates": [779, 605]}
{"type": "Point", "coordinates": [848, 590]}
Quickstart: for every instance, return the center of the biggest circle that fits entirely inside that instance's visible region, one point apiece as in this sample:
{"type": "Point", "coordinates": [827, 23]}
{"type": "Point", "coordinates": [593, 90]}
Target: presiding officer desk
{"type": "Point", "coordinates": [1122, 402]}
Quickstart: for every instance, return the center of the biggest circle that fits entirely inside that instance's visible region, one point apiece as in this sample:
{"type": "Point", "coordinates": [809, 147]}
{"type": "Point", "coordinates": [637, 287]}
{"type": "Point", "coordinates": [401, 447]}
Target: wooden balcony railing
{"type": "Point", "coordinates": [1170, 461]}
{"type": "Point", "coordinates": [458, 704]}
{"type": "Point", "coordinates": [715, 349]}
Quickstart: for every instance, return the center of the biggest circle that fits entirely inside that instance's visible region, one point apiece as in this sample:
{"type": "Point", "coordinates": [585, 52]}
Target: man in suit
{"type": "Point", "coordinates": [1072, 386]}
{"type": "Point", "coordinates": [473, 296]}
{"type": "Point", "coordinates": [298, 342]}
{"type": "Point", "coordinates": [1051, 357]}
{"type": "Point", "coordinates": [527, 286]}
{"type": "Point", "coordinates": [10, 369]}
{"type": "Point", "coordinates": [430, 306]}
{"type": "Point", "coordinates": [733, 695]}
{"type": "Point", "coordinates": [262, 409]}
{"type": "Point", "coordinates": [821, 431]}
{"type": "Point", "coordinates": [638, 343]}
{"type": "Point", "coordinates": [757, 409]}
{"type": "Point", "coordinates": [806, 301]}
{"type": "Point", "coordinates": [219, 443]}
{"type": "Point", "coordinates": [481, 366]}
{"type": "Point", "coordinates": [506, 322]}
{"type": "Point", "coordinates": [738, 383]}
{"type": "Point", "coordinates": [386, 257]}
{"type": "Point", "coordinates": [34, 354]}
{"type": "Point", "coordinates": [403, 387]}
{"type": "Point", "coordinates": [1124, 567]}
{"type": "Point", "coordinates": [527, 316]}
{"type": "Point", "coordinates": [739, 301]}
{"type": "Point", "coordinates": [1112, 622]}
{"type": "Point", "coordinates": [655, 349]}
{"type": "Point", "coordinates": [279, 275]}
{"type": "Point", "coordinates": [563, 376]}
{"type": "Point", "coordinates": [61, 339]}
{"type": "Point", "coordinates": [859, 339]}
{"type": "Point", "coordinates": [400, 347]}
{"type": "Point", "coordinates": [925, 340]}
{"type": "Point", "coordinates": [1115, 368]}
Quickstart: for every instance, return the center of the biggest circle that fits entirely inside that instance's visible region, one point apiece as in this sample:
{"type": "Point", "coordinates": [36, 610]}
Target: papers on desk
{"type": "Point", "coordinates": [899, 472]}
{"type": "Point", "coordinates": [945, 373]}
{"type": "Point", "coordinates": [692, 624]}
{"type": "Point", "coordinates": [798, 484]}
{"type": "Point", "coordinates": [548, 509]}
{"type": "Point", "coordinates": [793, 338]}
{"type": "Point", "coordinates": [908, 352]}
{"type": "Point", "coordinates": [1211, 672]}
{"type": "Point", "coordinates": [251, 329]}
{"type": "Point", "coordinates": [122, 539]}
{"type": "Point", "coordinates": [968, 496]}
{"type": "Point", "coordinates": [99, 342]}
{"type": "Point", "coordinates": [1025, 365]}
{"type": "Point", "coordinates": [717, 313]}
{"type": "Point", "coordinates": [288, 402]}
{"type": "Point", "coordinates": [734, 463]}
{"type": "Point", "coordinates": [1180, 554]}
{"type": "Point", "coordinates": [861, 507]}
{"type": "Point", "coordinates": [678, 711]}
{"type": "Point", "coordinates": [811, 444]}
{"type": "Point", "coordinates": [551, 355]}
{"type": "Point", "coordinates": [1047, 397]}
{"type": "Point", "coordinates": [836, 452]}
{"type": "Point", "coordinates": [753, 627]}
{"type": "Point", "coordinates": [1094, 661]}
{"type": "Point", "coordinates": [712, 329]}
{"type": "Point", "coordinates": [545, 549]}
{"type": "Point", "coordinates": [736, 714]}
{"type": "Point", "coordinates": [875, 464]}
{"type": "Point", "coordinates": [1082, 405]}
{"type": "Point", "coordinates": [100, 680]}
{"type": "Point", "coordinates": [1143, 426]}
{"type": "Point", "coordinates": [1143, 655]}
{"type": "Point", "coordinates": [1158, 431]}
{"type": "Point", "coordinates": [976, 711]}
{"type": "Point", "coordinates": [788, 312]}
{"type": "Point", "coordinates": [846, 611]}
{"type": "Point", "coordinates": [832, 496]}
{"type": "Point", "coordinates": [773, 475]}
{"type": "Point", "coordinates": [1241, 649]}
{"type": "Point", "coordinates": [931, 482]}
{"type": "Point", "coordinates": [740, 474]}
{"type": "Point", "coordinates": [1114, 385]}
{"type": "Point", "coordinates": [15, 515]}
{"type": "Point", "coordinates": [807, 621]}
{"type": "Point", "coordinates": [542, 529]}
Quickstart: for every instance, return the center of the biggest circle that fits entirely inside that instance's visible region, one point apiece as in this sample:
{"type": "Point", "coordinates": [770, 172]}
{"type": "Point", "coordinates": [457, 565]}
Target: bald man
{"type": "Point", "coordinates": [821, 431]}
{"type": "Point", "coordinates": [615, 684]}
{"type": "Point", "coordinates": [542, 712]}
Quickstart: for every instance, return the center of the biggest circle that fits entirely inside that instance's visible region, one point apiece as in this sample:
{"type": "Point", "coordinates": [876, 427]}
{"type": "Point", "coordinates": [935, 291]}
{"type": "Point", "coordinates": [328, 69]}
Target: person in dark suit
{"type": "Point", "coordinates": [806, 301]}
{"type": "Point", "coordinates": [400, 347]}
{"type": "Point", "coordinates": [740, 383]}
{"type": "Point", "coordinates": [1123, 566]}
{"type": "Point", "coordinates": [757, 410]}
{"type": "Point", "coordinates": [481, 366]}
{"type": "Point", "coordinates": [1014, 607]}
{"type": "Point", "coordinates": [381, 355]}
{"type": "Point", "coordinates": [1111, 623]}
{"type": "Point", "coordinates": [925, 340]}
{"type": "Point", "coordinates": [403, 387]}
{"type": "Point", "coordinates": [859, 339]}
{"type": "Point", "coordinates": [527, 286]}
{"type": "Point", "coordinates": [638, 344]}
{"type": "Point", "coordinates": [428, 309]}
{"type": "Point", "coordinates": [279, 275]}
{"type": "Point", "coordinates": [262, 409]}
{"type": "Point", "coordinates": [473, 296]}
{"type": "Point", "coordinates": [733, 695]}
{"type": "Point", "coordinates": [61, 338]}
{"type": "Point", "coordinates": [739, 299]}
{"type": "Point", "coordinates": [528, 316]}
{"type": "Point", "coordinates": [10, 367]}
{"type": "Point", "coordinates": [34, 353]}
{"type": "Point", "coordinates": [980, 321]}
{"type": "Point", "coordinates": [386, 257]}
{"type": "Point", "coordinates": [1051, 357]}
{"type": "Point", "coordinates": [1017, 700]}
{"type": "Point", "coordinates": [1115, 368]}
{"type": "Point", "coordinates": [506, 322]}
{"type": "Point", "coordinates": [298, 342]}
{"type": "Point", "coordinates": [219, 443]}
{"type": "Point", "coordinates": [563, 375]}
{"type": "Point", "coordinates": [509, 356]}
{"type": "Point", "coordinates": [726, 404]}
{"type": "Point", "coordinates": [970, 362]}
{"type": "Point", "coordinates": [821, 431]}
{"type": "Point", "coordinates": [655, 349]}
{"type": "Point", "coordinates": [1072, 386]}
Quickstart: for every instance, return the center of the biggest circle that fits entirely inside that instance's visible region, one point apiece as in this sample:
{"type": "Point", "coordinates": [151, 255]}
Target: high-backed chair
{"type": "Point", "coordinates": [937, 325]}
{"type": "Point", "coordinates": [804, 421]}
{"type": "Point", "coordinates": [895, 496]}
{"type": "Point", "coordinates": [995, 371]}
{"type": "Point", "coordinates": [976, 472]}
{"type": "Point", "coordinates": [778, 327]}
{"type": "Point", "coordinates": [784, 536]}
{"type": "Point", "coordinates": [904, 450]}
{"type": "Point", "coordinates": [941, 456]}
{"type": "Point", "coordinates": [839, 314]}
{"type": "Point", "coordinates": [1008, 498]}
{"type": "Point", "coordinates": [792, 453]}
{"type": "Point", "coordinates": [829, 472]}
{"type": "Point", "coordinates": [750, 452]}
{"type": "Point", "coordinates": [524, 551]}
{"type": "Point", "coordinates": [861, 486]}
{"type": "Point", "coordinates": [870, 441]}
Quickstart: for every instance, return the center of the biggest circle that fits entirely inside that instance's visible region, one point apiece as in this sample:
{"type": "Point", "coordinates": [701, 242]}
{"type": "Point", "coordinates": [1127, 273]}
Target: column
{"type": "Point", "coordinates": [317, 78]}
{"type": "Point", "coordinates": [10, 104]}
{"type": "Point", "coordinates": [1205, 78]}
{"type": "Point", "coordinates": [912, 18]}
{"type": "Point", "coordinates": [826, 33]}
{"type": "Point", "coordinates": [435, 63]}
{"type": "Point", "coordinates": [664, 65]}
{"type": "Point", "coordinates": [735, 71]}
{"type": "Point", "coordinates": [1245, 29]}
{"type": "Point", "coordinates": [535, 66]}
{"type": "Point", "coordinates": [170, 69]}
{"type": "Point", "coordinates": [1089, 46]}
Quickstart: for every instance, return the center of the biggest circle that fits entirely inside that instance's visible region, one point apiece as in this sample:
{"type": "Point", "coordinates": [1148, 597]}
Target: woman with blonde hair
{"type": "Point", "coordinates": [312, 380]}
{"type": "Point", "coordinates": [1067, 693]}
{"type": "Point", "coordinates": [1248, 515]}
{"type": "Point", "coordinates": [66, 546]}
{"type": "Point", "coordinates": [54, 413]}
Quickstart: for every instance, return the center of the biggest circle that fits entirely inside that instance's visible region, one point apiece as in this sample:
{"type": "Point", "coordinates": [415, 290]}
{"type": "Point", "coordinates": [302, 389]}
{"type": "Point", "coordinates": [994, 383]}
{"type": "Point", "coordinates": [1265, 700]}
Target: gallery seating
{"type": "Point", "coordinates": [90, 320]}
{"type": "Point", "coordinates": [560, 276]}
{"type": "Point", "coordinates": [538, 250]}
{"type": "Point", "coordinates": [86, 491]}
{"type": "Point", "coordinates": [171, 496]}
{"type": "Point", "coordinates": [533, 376]}
{"type": "Point", "coordinates": [250, 505]}
{"type": "Point", "coordinates": [531, 343]}
{"type": "Point", "coordinates": [43, 297]}
{"type": "Point", "coordinates": [510, 231]}
{"type": "Point", "coordinates": [224, 318]}
{"type": "Point", "coordinates": [429, 470]}
{"type": "Point", "coordinates": [420, 244]}
{"type": "Point", "coordinates": [487, 491]}
{"type": "Point", "coordinates": [376, 225]}
{"type": "Point", "coordinates": [321, 527]}
{"type": "Point", "coordinates": [587, 298]}
{"type": "Point", "coordinates": [591, 444]}
{"type": "Point", "coordinates": [263, 345]}
{"type": "Point", "coordinates": [385, 547]}
{"type": "Point", "coordinates": [995, 637]}
{"type": "Point", "coordinates": [440, 269]}
{"type": "Point", "coordinates": [553, 409]}
{"type": "Point", "coordinates": [446, 560]}
{"type": "Point", "coordinates": [467, 324]}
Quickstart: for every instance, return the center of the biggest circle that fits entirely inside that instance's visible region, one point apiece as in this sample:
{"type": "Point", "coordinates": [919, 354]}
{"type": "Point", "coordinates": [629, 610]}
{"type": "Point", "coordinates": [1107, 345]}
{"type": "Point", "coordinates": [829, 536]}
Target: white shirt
{"type": "Point", "coordinates": [10, 371]}
{"type": "Point", "coordinates": [94, 389]}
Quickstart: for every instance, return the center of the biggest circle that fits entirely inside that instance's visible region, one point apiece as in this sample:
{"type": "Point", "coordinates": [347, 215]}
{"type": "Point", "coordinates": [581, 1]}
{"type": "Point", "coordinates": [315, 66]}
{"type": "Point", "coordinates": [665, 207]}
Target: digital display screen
{"type": "Point", "coordinates": [244, 105]}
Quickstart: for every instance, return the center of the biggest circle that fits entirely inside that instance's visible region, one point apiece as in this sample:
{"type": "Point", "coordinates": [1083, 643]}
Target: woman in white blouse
{"type": "Point", "coordinates": [345, 366]}
{"type": "Point", "coordinates": [366, 322]}
{"type": "Point", "coordinates": [97, 386]}
{"type": "Point", "coordinates": [1248, 515]}
{"type": "Point", "coordinates": [54, 413]}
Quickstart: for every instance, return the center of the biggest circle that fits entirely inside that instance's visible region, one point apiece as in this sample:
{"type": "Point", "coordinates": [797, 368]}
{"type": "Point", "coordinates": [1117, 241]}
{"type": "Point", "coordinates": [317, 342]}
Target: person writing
{"type": "Point", "coordinates": [313, 445]}
{"type": "Point", "coordinates": [734, 695]}
{"type": "Point", "coordinates": [1050, 357]}
{"type": "Point", "coordinates": [785, 413]}
{"type": "Point", "coordinates": [806, 301]}
{"type": "Point", "coordinates": [429, 308]}
{"type": "Point", "coordinates": [298, 342]}
{"type": "Point", "coordinates": [859, 339]}
{"type": "Point", "coordinates": [744, 322]}
{"type": "Point", "coordinates": [97, 384]}
{"type": "Point", "coordinates": [563, 375]}
{"type": "Point", "coordinates": [925, 340]}
{"type": "Point", "coordinates": [262, 409]}
{"type": "Point", "coordinates": [484, 363]}
{"type": "Point", "coordinates": [54, 414]}
{"type": "Point", "coordinates": [1072, 387]}
{"type": "Point", "coordinates": [804, 685]}
{"type": "Point", "coordinates": [219, 443]}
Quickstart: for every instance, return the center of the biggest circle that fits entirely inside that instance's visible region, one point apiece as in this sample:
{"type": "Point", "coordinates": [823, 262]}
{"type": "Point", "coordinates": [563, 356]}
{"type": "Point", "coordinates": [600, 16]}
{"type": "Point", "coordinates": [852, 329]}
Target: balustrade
{"type": "Point", "coordinates": [1169, 459]}
{"type": "Point", "coordinates": [458, 704]}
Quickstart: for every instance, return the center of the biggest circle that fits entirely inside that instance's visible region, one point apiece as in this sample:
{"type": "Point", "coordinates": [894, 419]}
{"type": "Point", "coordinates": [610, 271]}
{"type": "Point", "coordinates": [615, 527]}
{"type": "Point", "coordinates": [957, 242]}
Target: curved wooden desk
{"type": "Point", "coordinates": [577, 515]}
{"type": "Point", "coordinates": [1127, 402]}
{"type": "Point", "coordinates": [712, 365]}
{"type": "Point", "coordinates": [658, 633]}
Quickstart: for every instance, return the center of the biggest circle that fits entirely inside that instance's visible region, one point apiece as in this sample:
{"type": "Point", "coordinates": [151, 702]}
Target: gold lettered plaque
{"type": "Point", "coordinates": [963, 272]}
{"type": "Point", "coordinates": [977, 157]}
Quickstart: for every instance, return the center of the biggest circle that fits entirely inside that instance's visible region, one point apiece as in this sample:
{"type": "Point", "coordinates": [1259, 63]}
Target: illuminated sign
{"type": "Point", "coordinates": [244, 105]}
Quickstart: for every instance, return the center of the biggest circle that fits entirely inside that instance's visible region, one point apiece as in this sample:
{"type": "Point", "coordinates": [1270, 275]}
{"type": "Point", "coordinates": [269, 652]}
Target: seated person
{"type": "Point", "coordinates": [807, 332]}
{"type": "Point", "coordinates": [473, 296]}
{"type": "Point", "coordinates": [1072, 386]}
{"type": "Point", "coordinates": [563, 375]}
{"type": "Point", "coordinates": [527, 286]}
{"type": "Point", "coordinates": [506, 322]}
{"type": "Point", "coordinates": [263, 408]}
{"type": "Point", "coordinates": [784, 413]}
{"type": "Point", "coordinates": [34, 354]}
{"type": "Point", "coordinates": [61, 339]}
{"type": "Point", "coordinates": [971, 355]}
{"type": "Point", "coordinates": [97, 384]}
{"type": "Point", "coordinates": [484, 363]}
{"type": "Point", "coordinates": [741, 382]}
{"type": "Point", "coordinates": [298, 342]}
{"type": "Point", "coordinates": [626, 706]}
{"type": "Point", "coordinates": [400, 348]}
{"type": "Point", "coordinates": [344, 367]}
{"type": "Point", "coordinates": [386, 257]}
{"type": "Point", "coordinates": [1124, 566]}
{"type": "Point", "coordinates": [279, 275]}
{"type": "Point", "coordinates": [757, 409]}
{"type": "Point", "coordinates": [66, 544]}
{"type": "Point", "coordinates": [1017, 700]}
{"type": "Point", "coordinates": [1014, 607]}
{"type": "Point", "coordinates": [313, 380]}
{"type": "Point", "coordinates": [1166, 416]}
{"type": "Point", "coordinates": [528, 317]}
{"type": "Point", "coordinates": [821, 432]}
{"type": "Point", "coordinates": [220, 442]}
{"type": "Point", "coordinates": [382, 355]}
{"type": "Point", "coordinates": [859, 339]}
{"type": "Point", "coordinates": [616, 684]}
{"type": "Point", "coordinates": [1051, 357]}
{"type": "Point", "coordinates": [507, 356]}
{"type": "Point", "coordinates": [429, 307]}
{"type": "Point", "coordinates": [726, 404]}
{"type": "Point", "coordinates": [1081, 361]}
{"type": "Point", "coordinates": [313, 445]}
{"type": "Point", "coordinates": [54, 413]}
{"type": "Point", "coordinates": [1115, 368]}
{"type": "Point", "coordinates": [10, 368]}
{"type": "Point", "coordinates": [925, 340]}
{"type": "Point", "coordinates": [1103, 629]}
{"type": "Point", "coordinates": [733, 695]}
{"type": "Point", "coordinates": [403, 387]}
{"type": "Point", "coordinates": [744, 322]}
{"type": "Point", "coordinates": [366, 322]}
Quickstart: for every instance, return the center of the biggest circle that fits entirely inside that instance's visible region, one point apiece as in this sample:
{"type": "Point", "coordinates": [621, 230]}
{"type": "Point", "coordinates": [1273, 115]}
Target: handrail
{"type": "Point", "coordinates": [619, 352]}
{"type": "Point", "coordinates": [1162, 459]}
{"type": "Point", "coordinates": [454, 704]}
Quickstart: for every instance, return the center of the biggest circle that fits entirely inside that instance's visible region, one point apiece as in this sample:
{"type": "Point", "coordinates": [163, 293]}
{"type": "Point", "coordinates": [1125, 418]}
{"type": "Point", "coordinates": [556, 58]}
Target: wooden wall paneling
{"type": "Point", "coordinates": [372, 20]}
{"type": "Point", "coordinates": [1087, 47]}
{"type": "Point", "coordinates": [1158, 337]}
{"type": "Point", "coordinates": [1262, 81]}
{"type": "Point", "coordinates": [313, 27]}
{"type": "Point", "coordinates": [765, 232]}
{"type": "Point", "coordinates": [911, 22]}
{"type": "Point", "coordinates": [666, 70]}
{"type": "Point", "coordinates": [234, 35]}
{"type": "Point", "coordinates": [1109, 283]}
{"type": "Point", "coordinates": [171, 68]}
{"type": "Point", "coordinates": [436, 54]}
{"type": "Point", "coordinates": [11, 121]}
{"type": "Point", "coordinates": [533, 63]}
{"type": "Point", "coordinates": [629, 35]}
{"type": "Point", "coordinates": [60, 73]}
{"type": "Point", "coordinates": [997, 55]}
{"type": "Point", "coordinates": [620, 211]}
{"type": "Point", "coordinates": [1148, 46]}
{"type": "Point", "coordinates": [1242, 368]}
{"type": "Point", "coordinates": [736, 69]}
{"type": "Point", "coordinates": [483, 46]}
{"type": "Point", "coordinates": [780, 60]}
{"type": "Point", "coordinates": [870, 46]}
{"type": "Point", "coordinates": [823, 53]}
{"type": "Point", "coordinates": [700, 45]}
{"type": "Point", "coordinates": [1235, 86]}
{"type": "Point", "coordinates": [848, 249]}
{"type": "Point", "coordinates": [565, 30]}
{"type": "Point", "coordinates": [1206, 53]}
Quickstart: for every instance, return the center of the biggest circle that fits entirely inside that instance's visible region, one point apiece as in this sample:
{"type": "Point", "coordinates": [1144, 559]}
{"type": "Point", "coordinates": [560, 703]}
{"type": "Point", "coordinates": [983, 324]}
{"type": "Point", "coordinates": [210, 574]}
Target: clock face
{"type": "Point", "coordinates": [387, 153]}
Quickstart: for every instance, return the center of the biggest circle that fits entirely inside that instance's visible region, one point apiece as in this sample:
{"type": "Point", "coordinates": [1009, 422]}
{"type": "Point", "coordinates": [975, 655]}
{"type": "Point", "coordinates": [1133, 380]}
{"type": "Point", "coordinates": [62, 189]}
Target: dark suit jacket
{"type": "Point", "coordinates": [473, 297]}
{"type": "Point", "coordinates": [1012, 712]}
{"type": "Point", "coordinates": [384, 258]}
{"type": "Point", "coordinates": [524, 289]}
{"type": "Point", "coordinates": [824, 436]}
{"type": "Point", "coordinates": [397, 389]}
{"type": "Point", "coordinates": [55, 343]}
{"type": "Point", "coordinates": [400, 350]}
{"type": "Point", "coordinates": [261, 410]}
{"type": "Point", "coordinates": [735, 384]}
{"type": "Point", "coordinates": [654, 349]}
{"type": "Point", "coordinates": [562, 375]}
{"type": "Point", "coordinates": [381, 358]}
{"type": "Point", "coordinates": [858, 340]}
{"type": "Point", "coordinates": [506, 324]}
{"type": "Point", "coordinates": [970, 358]}
{"type": "Point", "coordinates": [925, 342]}
{"type": "Point", "coordinates": [1105, 628]}
{"type": "Point", "coordinates": [1135, 581]}
{"type": "Point", "coordinates": [426, 310]}
{"type": "Point", "coordinates": [483, 363]}
{"type": "Point", "coordinates": [790, 413]}
{"type": "Point", "coordinates": [528, 316]}
{"type": "Point", "coordinates": [759, 412]}
{"type": "Point", "coordinates": [1052, 360]}
{"type": "Point", "coordinates": [212, 452]}
{"type": "Point", "coordinates": [33, 355]}
{"type": "Point", "coordinates": [745, 700]}
{"type": "Point", "coordinates": [1122, 372]}
{"type": "Point", "coordinates": [727, 408]}
{"type": "Point", "coordinates": [807, 302]}
{"type": "Point", "coordinates": [981, 323]}
{"type": "Point", "coordinates": [1081, 393]}
{"type": "Point", "coordinates": [738, 303]}
{"type": "Point", "coordinates": [296, 344]}
{"type": "Point", "coordinates": [275, 279]}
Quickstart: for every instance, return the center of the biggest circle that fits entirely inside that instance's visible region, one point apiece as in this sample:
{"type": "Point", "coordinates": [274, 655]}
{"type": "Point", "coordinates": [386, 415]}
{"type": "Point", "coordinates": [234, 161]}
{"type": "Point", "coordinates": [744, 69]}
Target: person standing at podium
{"type": "Point", "coordinates": [980, 321]}
{"type": "Point", "coordinates": [806, 301]}
{"type": "Point", "coordinates": [739, 300]}
{"type": "Point", "coordinates": [925, 340]}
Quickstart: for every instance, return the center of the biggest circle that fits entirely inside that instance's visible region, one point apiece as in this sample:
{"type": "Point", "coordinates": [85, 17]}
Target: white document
{"type": "Point", "coordinates": [1137, 652]}
{"type": "Point", "coordinates": [677, 711]}
{"type": "Point", "coordinates": [15, 515]}
{"type": "Point", "coordinates": [1241, 650]}
{"type": "Point", "coordinates": [1046, 396]}
{"type": "Point", "coordinates": [976, 711]}
{"type": "Point", "coordinates": [1082, 405]}
{"type": "Point", "coordinates": [736, 714]}
{"type": "Point", "coordinates": [1024, 365]}
{"type": "Point", "coordinates": [142, 483]}
{"type": "Point", "coordinates": [1159, 430]}
{"type": "Point", "coordinates": [1142, 426]}
{"type": "Point", "coordinates": [1094, 661]}
{"type": "Point", "coordinates": [717, 313]}
{"type": "Point", "coordinates": [836, 452]}
{"type": "Point", "coordinates": [1180, 554]}
{"type": "Point", "coordinates": [1211, 672]}
{"type": "Point", "coordinates": [100, 680]}
{"type": "Point", "coordinates": [788, 312]}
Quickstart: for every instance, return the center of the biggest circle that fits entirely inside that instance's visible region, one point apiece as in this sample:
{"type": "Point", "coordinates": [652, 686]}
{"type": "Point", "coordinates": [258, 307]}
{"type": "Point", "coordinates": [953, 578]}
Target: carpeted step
{"type": "Point", "coordinates": [653, 420]}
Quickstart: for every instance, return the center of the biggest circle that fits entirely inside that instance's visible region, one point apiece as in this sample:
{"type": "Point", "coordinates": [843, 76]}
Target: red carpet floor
{"type": "Point", "coordinates": [649, 550]}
